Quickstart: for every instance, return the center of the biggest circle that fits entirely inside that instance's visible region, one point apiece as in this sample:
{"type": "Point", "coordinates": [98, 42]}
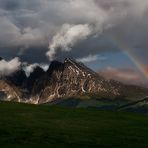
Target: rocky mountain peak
{"type": "Point", "coordinates": [17, 78]}
{"type": "Point", "coordinates": [37, 70]}
{"type": "Point", "coordinates": [34, 76]}
{"type": "Point", "coordinates": [63, 80]}
{"type": "Point", "coordinates": [79, 68]}
{"type": "Point", "coordinates": [55, 66]}
{"type": "Point", "coordinates": [69, 60]}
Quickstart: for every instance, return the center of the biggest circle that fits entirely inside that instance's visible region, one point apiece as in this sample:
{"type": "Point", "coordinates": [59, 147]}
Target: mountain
{"type": "Point", "coordinates": [17, 78]}
{"type": "Point", "coordinates": [74, 79]}
{"type": "Point", "coordinates": [9, 86]}
{"type": "Point", "coordinates": [34, 76]}
{"type": "Point", "coordinates": [70, 79]}
{"type": "Point", "coordinates": [9, 92]}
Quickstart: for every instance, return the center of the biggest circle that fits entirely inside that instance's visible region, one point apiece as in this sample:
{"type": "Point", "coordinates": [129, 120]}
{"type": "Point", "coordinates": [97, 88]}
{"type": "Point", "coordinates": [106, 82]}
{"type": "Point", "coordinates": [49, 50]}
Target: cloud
{"type": "Point", "coordinates": [102, 16]}
{"type": "Point", "coordinates": [8, 32]}
{"type": "Point", "coordinates": [36, 23]}
{"type": "Point", "coordinates": [91, 58]}
{"type": "Point", "coordinates": [68, 36]}
{"type": "Point", "coordinates": [12, 36]}
{"type": "Point", "coordinates": [88, 59]}
{"type": "Point", "coordinates": [29, 68]}
{"type": "Point", "coordinates": [127, 76]}
{"type": "Point", "coordinates": [9, 67]}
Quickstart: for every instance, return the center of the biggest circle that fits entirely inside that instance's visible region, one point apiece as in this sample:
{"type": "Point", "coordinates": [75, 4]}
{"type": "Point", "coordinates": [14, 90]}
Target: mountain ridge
{"type": "Point", "coordinates": [67, 79]}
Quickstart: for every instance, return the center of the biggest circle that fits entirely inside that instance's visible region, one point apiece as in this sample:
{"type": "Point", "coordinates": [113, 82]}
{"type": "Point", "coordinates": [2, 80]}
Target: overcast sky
{"type": "Point", "coordinates": [93, 31]}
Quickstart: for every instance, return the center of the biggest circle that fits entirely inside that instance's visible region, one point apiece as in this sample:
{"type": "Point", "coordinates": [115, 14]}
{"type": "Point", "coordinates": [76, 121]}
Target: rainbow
{"type": "Point", "coordinates": [141, 67]}
{"type": "Point", "coordinates": [137, 62]}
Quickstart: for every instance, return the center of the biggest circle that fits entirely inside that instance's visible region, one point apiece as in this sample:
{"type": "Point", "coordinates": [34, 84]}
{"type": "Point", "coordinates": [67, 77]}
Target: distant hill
{"type": "Point", "coordinates": [140, 106]}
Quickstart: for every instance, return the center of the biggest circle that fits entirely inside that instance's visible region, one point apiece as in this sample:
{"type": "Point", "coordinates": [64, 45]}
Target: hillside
{"type": "Point", "coordinates": [23, 125]}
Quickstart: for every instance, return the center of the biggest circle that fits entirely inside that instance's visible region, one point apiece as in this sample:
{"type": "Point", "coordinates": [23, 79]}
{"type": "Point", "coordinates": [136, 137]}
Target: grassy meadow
{"type": "Point", "coordinates": [29, 126]}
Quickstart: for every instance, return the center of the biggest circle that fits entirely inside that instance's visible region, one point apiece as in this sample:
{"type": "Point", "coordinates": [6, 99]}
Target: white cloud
{"type": "Point", "coordinates": [29, 68]}
{"type": "Point", "coordinates": [88, 59]}
{"type": "Point", "coordinates": [9, 67]}
{"type": "Point", "coordinates": [91, 58]}
{"type": "Point", "coordinates": [68, 36]}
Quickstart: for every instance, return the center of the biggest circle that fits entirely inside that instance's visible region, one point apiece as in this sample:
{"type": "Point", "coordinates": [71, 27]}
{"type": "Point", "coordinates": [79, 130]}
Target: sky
{"type": "Point", "coordinates": [109, 36]}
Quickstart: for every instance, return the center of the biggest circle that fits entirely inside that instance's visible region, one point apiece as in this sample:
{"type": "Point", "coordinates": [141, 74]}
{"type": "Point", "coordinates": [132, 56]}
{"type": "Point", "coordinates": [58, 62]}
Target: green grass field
{"type": "Point", "coordinates": [28, 126]}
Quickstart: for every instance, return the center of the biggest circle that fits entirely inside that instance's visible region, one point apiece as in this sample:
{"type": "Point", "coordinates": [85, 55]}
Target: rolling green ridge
{"type": "Point", "coordinates": [23, 125]}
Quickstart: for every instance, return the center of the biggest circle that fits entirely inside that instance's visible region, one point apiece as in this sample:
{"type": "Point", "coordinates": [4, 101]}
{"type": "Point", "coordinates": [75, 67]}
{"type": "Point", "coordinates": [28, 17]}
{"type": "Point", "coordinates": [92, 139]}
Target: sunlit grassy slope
{"type": "Point", "coordinates": [28, 126]}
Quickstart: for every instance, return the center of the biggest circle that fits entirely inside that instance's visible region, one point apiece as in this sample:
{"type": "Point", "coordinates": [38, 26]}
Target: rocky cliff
{"type": "Point", "coordinates": [71, 78]}
{"type": "Point", "coordinates": [64, 80]}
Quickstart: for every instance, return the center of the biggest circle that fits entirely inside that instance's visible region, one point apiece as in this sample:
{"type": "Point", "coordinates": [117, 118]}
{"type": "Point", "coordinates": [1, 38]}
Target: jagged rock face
{"type": "Point", "coordinates": [55, 66]}
{"type": "Point", "coordinates": [9, 92]}
{"type": "Point", "coordinates": [17, 78]}
{"type": "Point", "coordinates": [10, 86]}
{"type": "Point", "coordinates": [34, 76]}
{"type": "Point", "coordinates": [63, 80]}
{"type": "Point", "coordinates": [69, 79]}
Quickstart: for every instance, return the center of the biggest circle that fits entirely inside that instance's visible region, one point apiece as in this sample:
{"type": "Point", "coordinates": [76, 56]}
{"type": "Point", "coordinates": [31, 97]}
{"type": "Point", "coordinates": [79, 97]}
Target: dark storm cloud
{"type": "Point", "coordinates": [34, 55]}
{"type": "Point", "coordinates": [32, 24]}
{"type": "Point", "coordinates": [91, 46]}
{"type": "Point", "coordinates": [9, 5]}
